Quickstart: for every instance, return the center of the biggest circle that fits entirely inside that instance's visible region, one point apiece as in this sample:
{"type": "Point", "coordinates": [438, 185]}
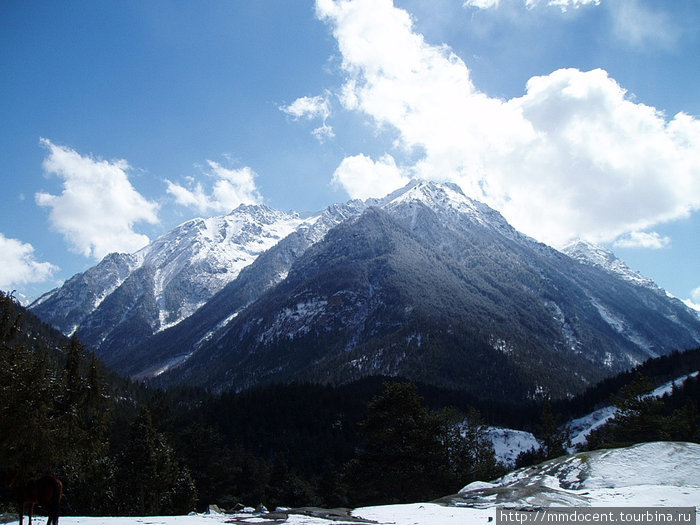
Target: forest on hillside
{"type": "Point", "coordinates": [123, 448]}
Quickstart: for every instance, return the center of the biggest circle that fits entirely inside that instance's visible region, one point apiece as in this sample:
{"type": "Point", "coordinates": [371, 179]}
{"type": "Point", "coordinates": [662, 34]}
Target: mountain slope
{"type": "Point", "coordinates": [588, 253]}
{"type": "Point", "coordinates": [424, 283]}
{"type": "Point", "coordinates": [126, 298]}
{"type": "Point", "coordinates": [176, 344]}
{"type": "Point", "coordinates": [430, 285]}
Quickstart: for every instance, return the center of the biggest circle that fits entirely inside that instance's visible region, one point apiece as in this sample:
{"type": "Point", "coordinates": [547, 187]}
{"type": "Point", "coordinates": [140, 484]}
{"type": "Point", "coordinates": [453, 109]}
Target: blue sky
{"type": "Point", "coordinates": [574, 118]}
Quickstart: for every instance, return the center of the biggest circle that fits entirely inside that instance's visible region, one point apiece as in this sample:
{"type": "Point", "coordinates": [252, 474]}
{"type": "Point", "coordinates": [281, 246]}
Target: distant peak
{"type": "Point", "coordinates": [427, 192]}
{"type": "Point", "coordinates": [584, 250]}
{"type": "Point", "coordinates": [423, 186]}
{"type": "Point", "coordinates": [588, 252]}
{"type": "Point", "coordinates": [261, 212]}
{"type": "Point", "coordinates": [250, 208]}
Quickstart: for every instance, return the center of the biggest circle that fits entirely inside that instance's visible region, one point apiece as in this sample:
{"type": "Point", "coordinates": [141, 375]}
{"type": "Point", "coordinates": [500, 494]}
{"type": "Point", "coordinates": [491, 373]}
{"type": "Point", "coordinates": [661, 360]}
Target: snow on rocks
{"type": "Point", "coordinates": [666, 473]}
{"type": "Point", "coordinates": [508, 444]}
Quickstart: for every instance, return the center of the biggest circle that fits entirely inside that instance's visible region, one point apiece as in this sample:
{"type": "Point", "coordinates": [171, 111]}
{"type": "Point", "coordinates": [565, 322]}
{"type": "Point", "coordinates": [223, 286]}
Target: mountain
{"type": "Point", "coordinates": [588, 253]}
{"type": "Point", "coordinates": [425, 283]}
{"type": "Point", "coordinates": [433, 286]}
{"type": "Point", "coordinates": [126, 298]}
{"type": "Point", "coordinates": [171, 347]}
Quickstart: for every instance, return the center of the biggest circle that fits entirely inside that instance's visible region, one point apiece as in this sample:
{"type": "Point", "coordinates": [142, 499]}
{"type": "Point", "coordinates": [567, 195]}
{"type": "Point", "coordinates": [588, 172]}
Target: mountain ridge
{"type": "Point", "coordinates": [426, 260]}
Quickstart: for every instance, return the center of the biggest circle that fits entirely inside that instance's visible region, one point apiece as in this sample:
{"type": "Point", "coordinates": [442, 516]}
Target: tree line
{"type": "Point", "coordinates": [58, 414]}
{"type": "Point", "coordinates": [124, 448]}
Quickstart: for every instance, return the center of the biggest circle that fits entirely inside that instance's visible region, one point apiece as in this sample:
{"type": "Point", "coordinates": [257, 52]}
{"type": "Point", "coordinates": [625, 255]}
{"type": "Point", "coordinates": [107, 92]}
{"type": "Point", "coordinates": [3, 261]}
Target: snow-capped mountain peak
{"type": "Point", "coordinates": [206, 254]}
{"type": "Point", "coordinates": [279, 284]}
{"type": "Point", "coordinates": [167, 280]}
{"type": "Point", "coordinates": [454, 208]}
{"type": "Point", "coordinates": [590, 253]}
{"type": "Point", "coordinates": [432, 194]}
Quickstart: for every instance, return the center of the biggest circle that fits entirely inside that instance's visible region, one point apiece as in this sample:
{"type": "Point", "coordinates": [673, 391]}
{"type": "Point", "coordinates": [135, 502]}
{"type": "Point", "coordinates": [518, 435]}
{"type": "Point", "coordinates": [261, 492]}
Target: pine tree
{"type": "Point", "coordinates": [553, 436]}
{"type": "Point", "coordinates": [474, 458]}
{"type": "Point", "coordinates": [28, 428]}
{"type": "Point", "coordinates": [638, 418]}
{"type": "Point", "coordinates": [638, 415]}
{"type": "Point", "coordinates": [402, 458]}
{"type": "Point", "coordinates": [149, 471]}
{"type": "Point", "coordinates": [87, 467]}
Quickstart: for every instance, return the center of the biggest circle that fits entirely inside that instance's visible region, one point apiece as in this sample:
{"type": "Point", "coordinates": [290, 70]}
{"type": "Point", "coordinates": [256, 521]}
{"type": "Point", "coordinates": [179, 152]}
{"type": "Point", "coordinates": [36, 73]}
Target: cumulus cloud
{"type": "Point", "coordinates": [98, 208]}
{"type": "Point", "coordinates": [364, 178]}
{"type": "Point", "coordinates": [230, 189]}
{"type": "Point", "coordinates": [18, 264]}
{"type": "Point", "coordinates": [572, 157]}
{"type": "Point", "coordinates": [651, 240]}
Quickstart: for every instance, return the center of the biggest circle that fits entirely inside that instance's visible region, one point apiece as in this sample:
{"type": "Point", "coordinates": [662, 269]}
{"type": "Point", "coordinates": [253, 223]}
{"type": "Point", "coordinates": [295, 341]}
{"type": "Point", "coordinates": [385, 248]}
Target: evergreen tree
{"type": "Point", "coordinates": [553, 435]}
{"type": "Point", "coordinates": [27, 382]}
{"type": "Point", "coordinates": [87, 467]}
{"type": "Point", "coordinates": [149, 472]}
{"type": "Point", "coordinates": [471, 451]}
{"type": "Point", "coordinates": [404, 457]}
{"type": "Point", "coordinates": [638, 418]}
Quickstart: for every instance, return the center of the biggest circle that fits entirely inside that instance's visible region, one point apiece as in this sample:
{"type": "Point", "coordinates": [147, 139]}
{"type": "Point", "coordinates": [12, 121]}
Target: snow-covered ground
{"type": "Point", "coordinates": [508, 444]}
{"type": "Point", "coordinates": [664, 474]}
{"type": "Point", "coordinates": [648, 474]}
{"type": "Point", "coordinates": [414, 514]}
{"type": "Point", "coordinates": [580, 428]}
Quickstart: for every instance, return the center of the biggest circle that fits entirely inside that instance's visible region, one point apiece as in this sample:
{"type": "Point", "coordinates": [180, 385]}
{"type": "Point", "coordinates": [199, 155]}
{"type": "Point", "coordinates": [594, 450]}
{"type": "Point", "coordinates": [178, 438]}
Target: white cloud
{"type": "Point", "coordinates": [572, 157]}
{"type": "Point", "coordinates": [309, 108]}
{"type": "Point", "coordinates": [561, 4]}
{"type": "Point", "coordinates": [481, 4]}
{"type": "Point", "coordinates": [98, 207]}
{"type": "Point", "coordinates": [364, 178]}
{"type": "Point", "coordinates": [312, 108]}
{"type": "Point", "coordinates": [18, 264]}
{"type": "Point", "coordinates": [323, 133]}
{"type": "Point", "coordinates": [230, 189]}
{"type": "Point", "coordinates": [695, 295]}
{"type": "Point", "coordinates": [650, 240]}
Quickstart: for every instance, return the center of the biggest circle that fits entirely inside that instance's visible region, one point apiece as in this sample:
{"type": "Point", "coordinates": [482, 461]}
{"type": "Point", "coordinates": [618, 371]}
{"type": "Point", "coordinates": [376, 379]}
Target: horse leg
{"type": "Point", "coordinates": [31, 511]}
{"type": "Point", "coordinates": [20, 508]}
{"type": "Point", "coordinates": [53, 517]}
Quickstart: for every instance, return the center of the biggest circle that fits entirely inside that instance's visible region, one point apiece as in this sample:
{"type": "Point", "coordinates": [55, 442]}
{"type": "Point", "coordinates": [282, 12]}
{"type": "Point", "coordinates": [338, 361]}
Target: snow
{"type": "Point", "coordinates": [668, 387]}
{"type": "Point", "coordinates": [596, 255]}
{"type": "Point", "coordinates": [660, 473]}
{"type": "Point", "coordinates": [665, 474]}
{"type": "Point", "coordinates": [207, 254]}
{"type": "Point", "coordinates": [414, 514]}
{"type": "Point", "coordinates": [581, 427]}
{"type": "Point", "coordinates": [509, 443]}
{"type": "Point", "coordinates": [674, 464]}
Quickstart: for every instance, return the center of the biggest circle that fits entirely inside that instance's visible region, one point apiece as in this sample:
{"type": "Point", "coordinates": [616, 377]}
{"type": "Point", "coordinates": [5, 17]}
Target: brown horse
{"type": "Point", "coordinates": [45, 490]}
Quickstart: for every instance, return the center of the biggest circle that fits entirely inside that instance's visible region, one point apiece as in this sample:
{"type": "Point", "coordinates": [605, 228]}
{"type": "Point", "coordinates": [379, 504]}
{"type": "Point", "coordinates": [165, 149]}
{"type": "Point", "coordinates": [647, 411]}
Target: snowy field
{"type": "Point", "coordinates": [414, 514]}
{"type": "Point", "coordinates": [662, 474]}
